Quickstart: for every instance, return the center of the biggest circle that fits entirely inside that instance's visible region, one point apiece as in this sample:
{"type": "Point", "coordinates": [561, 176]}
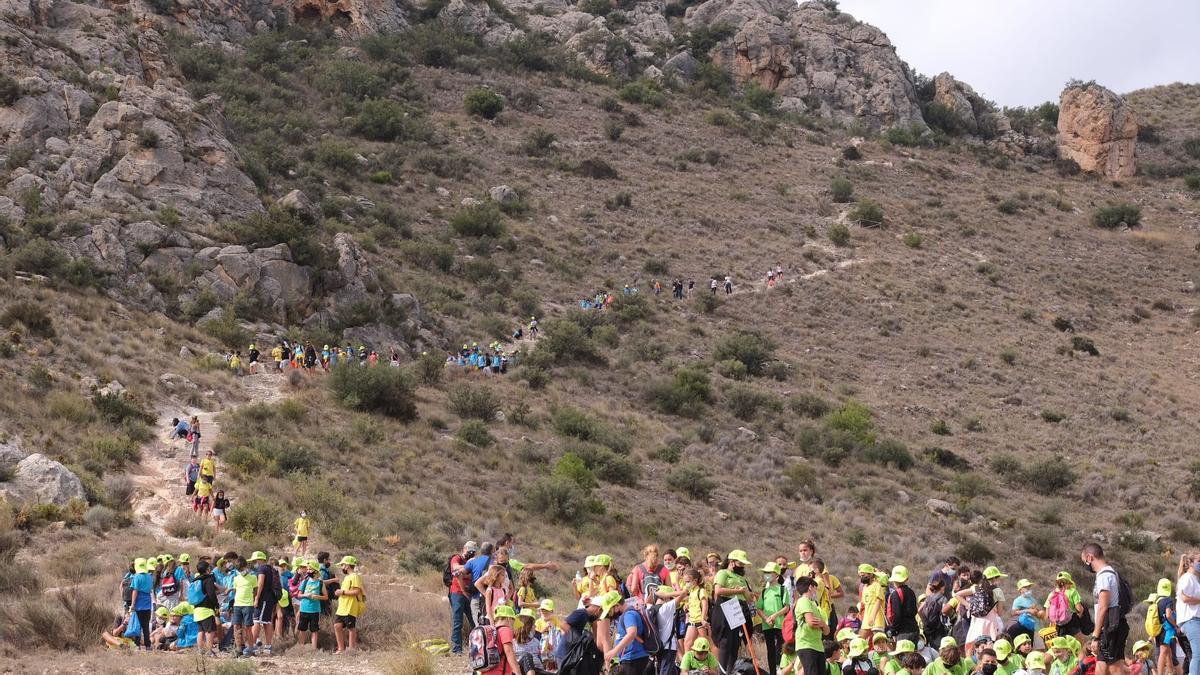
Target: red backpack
{"type": "Point", "coordinates": [789, 626]}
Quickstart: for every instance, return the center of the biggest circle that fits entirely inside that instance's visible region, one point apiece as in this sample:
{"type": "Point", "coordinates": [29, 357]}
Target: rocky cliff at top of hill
{"type": "Point", "coordinates": [1098, 130]}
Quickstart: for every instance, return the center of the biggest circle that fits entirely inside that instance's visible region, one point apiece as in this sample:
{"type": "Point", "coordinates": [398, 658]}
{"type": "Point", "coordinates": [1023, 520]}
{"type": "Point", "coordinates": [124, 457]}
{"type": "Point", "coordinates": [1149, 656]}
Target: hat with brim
{"type": "Point", "coordinates": [1165, 587]}
{"type": "Point", "coordinates": [858, 647]}
{"type": "Point", "coordinates": [878, 637]}
{"type": "Point", "coordinates": [257, 555]}
{"type": "Point", "coordinates": [1035, 661]}
{"type": "Point", "coordinates": [904, 647]}
{"type": "Point", "coordinates": [947, 642]}
{"type": "Point", "coordinates": [162, 611]}
{"type": "Point", "coordinates": [606, 602]}
{"type": "Point", "coordinates": [1064, 576]}
{"type": "Point", "coordinates": [899, 574]}
{"type": "Point", "coordinates": [589, 562]}
{"type": "Point", "coordinates": [845, 634]}
{"type": "Point", "coordinates": [866, 568]}
{"type": "Point", "coordinates": [739, 555]}
{"type": "Point", "coordinates": [505, 612]}
{"type": "Point", "coordinates": [1060, 643]}
{"type": "Point", "coordinates": [1020, 640]}
{"type": "Point", "coordinates": [1140, 645]}
{"type": "Point", "coordinates": [1003, 649]}
{"type": "Point", "coordinates": [1022, 584]}
{"type": "Point", "coordinates": [349, 560]}
{"type": "Point", "coordinates": [983, 639]}
{"type": "Point", "coordinates": [772, 568]}
{"type": "Point", "coordinates": [527, 612]}
{"type": "Point", "coordinates": [139, 565]}
{"type": "Point", "coordinates": [993, 572]}
{"type": "Point", "coordinates": [604, 560]}
{"type": "Point", "coordinates": [700, 645]}
{"type": "Point", "coordinates": [185, 558]}
{"type": "Point", "coordinates": [683, 552]}
{"type": "Point", "coordinates": [546, 605]}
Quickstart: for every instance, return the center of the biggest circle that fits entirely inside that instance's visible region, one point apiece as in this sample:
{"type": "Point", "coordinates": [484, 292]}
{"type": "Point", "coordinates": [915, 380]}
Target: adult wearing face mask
{"type": "Point", "coordinates": [1112, 630]}
{"type": "Point", "coordinates": [986, 662]}
{"type": "Point", "coordinates": [1187, 605]}
{"type": "Point", "coordinates": [730, 584]}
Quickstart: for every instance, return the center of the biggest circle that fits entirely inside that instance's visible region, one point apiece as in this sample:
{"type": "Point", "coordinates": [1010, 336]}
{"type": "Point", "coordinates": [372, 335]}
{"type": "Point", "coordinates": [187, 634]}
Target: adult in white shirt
{"type": "Point", "coordinates": [1187, 605]}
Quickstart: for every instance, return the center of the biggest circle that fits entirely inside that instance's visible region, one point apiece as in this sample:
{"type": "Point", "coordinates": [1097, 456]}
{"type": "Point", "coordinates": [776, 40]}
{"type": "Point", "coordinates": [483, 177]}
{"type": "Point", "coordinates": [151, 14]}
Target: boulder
{"type": "Point", "coordinates": [969, 111]}
{"type": "Point", "coordinates": [504, 195]}
{"type": "Point", "coordinates": [299, 202]}
{"type": "Point", "coordinates": [941, 507]}
{"type": "Point", "coordinates": [11, 454]}
{"type": "Point", "coordinates": [355, 278]}
{"type": "Point", "coordinates": [820, 61]}
{"type": "Point", "coordinates": [41, 479]}
{"type": "Point", "coordinates": [1098, 130]}
{"type": "Point", "coordinates": [682, 66]}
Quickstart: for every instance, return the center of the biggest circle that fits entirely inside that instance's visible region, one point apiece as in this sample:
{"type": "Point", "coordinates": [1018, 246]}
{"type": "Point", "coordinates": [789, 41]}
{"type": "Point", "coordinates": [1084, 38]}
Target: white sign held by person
{"type": "Point", "coordinates": [734, 618]}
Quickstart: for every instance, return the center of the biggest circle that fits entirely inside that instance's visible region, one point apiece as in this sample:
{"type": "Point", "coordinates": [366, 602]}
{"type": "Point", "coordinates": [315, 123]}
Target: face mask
{"type": "Point", "coordinates": [1196, 566]}
{"type": "Point", "coordinates": [739, 570]}
{"type": "Point", "coordinates": [768, 578]}
{"type": "Point", "coordinates": [865, 580]}
{"type": "Point", "coordinates": [669, 565]}
{"type": "Point", "coordinates": [1027, 594]}
{"type": "Point", "coordinates": [989, 669]}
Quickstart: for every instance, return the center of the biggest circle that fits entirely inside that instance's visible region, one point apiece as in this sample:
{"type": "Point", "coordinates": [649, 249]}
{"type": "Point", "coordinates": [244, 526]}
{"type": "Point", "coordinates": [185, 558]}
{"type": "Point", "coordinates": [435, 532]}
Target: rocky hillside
{"type": "Point", "coordinates": [985, 341]}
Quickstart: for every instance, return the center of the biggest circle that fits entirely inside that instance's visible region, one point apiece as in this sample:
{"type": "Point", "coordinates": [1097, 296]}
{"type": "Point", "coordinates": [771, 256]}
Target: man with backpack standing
{"type": "Point", "coordinates": [266, 599]}
{"type": "Point", "coordinates": [460, 602]}
{"type": "Point", "coordinates": [901, 607]}
{"type": "Point", "coordinates": [1112, 604]}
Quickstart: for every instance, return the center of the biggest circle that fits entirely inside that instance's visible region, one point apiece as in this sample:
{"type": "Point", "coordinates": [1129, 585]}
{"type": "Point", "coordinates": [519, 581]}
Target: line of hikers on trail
{"type": "Point", "coordinates": [716, 616]}
{"type": "Point", "coordinates": [229, 604]}
{"type": "Point", "coordinates": [304, 357]}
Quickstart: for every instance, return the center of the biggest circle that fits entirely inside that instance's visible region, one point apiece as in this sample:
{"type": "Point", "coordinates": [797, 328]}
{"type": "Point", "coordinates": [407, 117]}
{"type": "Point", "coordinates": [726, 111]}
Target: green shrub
{"type": "Point", "coordinates": [39, 256]}
{"type": "Point", "coordinates": [10, 90]}
{"type": "Point", "coordinates": [349, 532]}
{"type": "Point", "coordinates": [471, 402]}
{"type": "Point", "coordinates": [429, 255]}
{"type": "Point", "coordinates": [946, 458]}
{"type": "Point", "coordinates": [573, 468]}
{"type": "Point", "coordinates": [1116, 214]}
{"type": "Point", "coordinates": [613, 129]}
{"type": "Point", "coordinates": [888, 452]}
{"type": "Point", "coordinates": [596, 168]}
{"type": "Point", "coordinates": [707, 303]}
{"type": "Point", "coordinates": [561, 500]}
{"type": "Point", "coordinates": [388, 391]}
{"type": "Point", "coordinates": [117, 408]}
{"type": "Point", "coordinates": [475, 432]}
{"type": "Point", "coordinates": [538, 142]}
{"type": "Point", "coordinates": [533, 51]}
{"type": "Point", "coordinates": [1052, 416]}
{"type": "Point", "coordinates": [913, 240]}
{"type": "Point", "coordinates": [565, 342]}
{"type": "Point", "coordinates": [839, 234]}
{"type": "Point", "coordinates": [575, 423]}
{"type": "Point", "coordinates": [336, 155]}
{"type": "Point", "coordinates": [867, 213]}
{"type": "Point", "coordinates": [809, 405]}
{"type": "Point", "coordinates": [113, 451]}
{"type": "Point", "coordinates": [443, 164]}
{"type": "Point", "coordinates": [1191, 146]}
{"type": "Point", "coordinates": [750, 347]}
{"type": "Point", "coordinates": [279, 225]}
{"type": "Point", "coordinates": [940, 428]}
{"type": "Point", "coordinates": [643, 91]}
{"type": "Point", "coordinates": [429, 368]}
{"type": "Point", "coordinates": [685, 393]}
{"type": "Point", "coordinates": [745, 402]}
{"type": "Point", "coordinates": [1041, 544]}
{"type": "Point", "coordinates": [439, 44]}
{"type": "Point", "coordinates": [389, 121]}
{"type": "Point", "coordinates": [854, 418]}
{"type": "Point", "coordinates": [851, 153]}
{"type": "Point", "coordinates": [734, 370]}
{"type": "Point", "coordinates": [760, 99]}
{"type": "Point", "coordinates": [351, 80]}
{"type": "Point", "coordinates": [1192, 182]}
{"type": "Point", "coordinates": [258, 518]}
{"type": "Point", "coordinates": [691, 480]}
{"type": "Point", "coordinates": [608, 465]}
{"type": "Point", "coordinates": [70, 407]}
{"type": "Point", "coordinates": [227, 331]}
{"type": "Point", "coordinates": [480, 220]}
{"type": "Point", "coordinates": [483, 102]}
{"type": "Point", "coordinates": [30, 315]}
{"type": "Point", "coordinates": [970, 549]}
{"type": "Point", "coordinates": [842, 190]}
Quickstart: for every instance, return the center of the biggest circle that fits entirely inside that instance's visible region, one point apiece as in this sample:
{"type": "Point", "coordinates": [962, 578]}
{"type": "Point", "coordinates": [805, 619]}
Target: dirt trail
{"type": "Point", "coordinates": [159, 496]}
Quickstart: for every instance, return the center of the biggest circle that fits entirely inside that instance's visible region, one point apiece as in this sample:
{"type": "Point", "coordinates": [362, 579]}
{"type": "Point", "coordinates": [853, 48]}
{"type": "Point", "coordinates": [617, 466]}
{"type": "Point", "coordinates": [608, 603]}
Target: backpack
{"type": "Point", "coordinates": [1154, 626]}
{"type": "Point", "coordinates": [583, 657]}
{"type": "Point", "coordinates": [650, 584]}
{"type": "Point", "coordinates": [981, 603]}
{"type": "Point", "coordinates": [931, 615]}
{"type": "Point", "coordinates": [649, 636]}
{"type": "Point", "coordinates": [285, 599]}
{"type": "Point", "coordinates": [447, 575]}
{"type": "Point", "coordinates": [1059, 611]}
{"type": "Point", "coordinates": [273, 585]}
{"type": "Point", "coordinates": [195, 594]}
{"type": "Point", "coordinates": [789, 626]}
{"type": "Point", "coordinates": [168, 587]}
{"type": "Point", "coordinates": [484, 648]}
{"type": "Point", "coordinates": [1124, 594]}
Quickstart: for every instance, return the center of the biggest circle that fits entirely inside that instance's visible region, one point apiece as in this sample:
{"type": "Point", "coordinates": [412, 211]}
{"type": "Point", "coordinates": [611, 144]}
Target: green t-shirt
{"type": "Point", "coordinates": [939, 668]}
{"type": "Point", "coordinates": [771, 601]}
{"type": "Point", "coordinates": [808, 637]}
{"type": "Point", "coordinates": [892, 667]}
{"type": "Point", "coordinates": [727, 579]}
{"type": "Point", "coordinates": [690, 662]}
{"type": "Point", "coordinates": [244, 586]}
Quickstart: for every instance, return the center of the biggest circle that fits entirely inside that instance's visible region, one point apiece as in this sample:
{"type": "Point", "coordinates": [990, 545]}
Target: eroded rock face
{"type": "Point", "coordinates": [970, 111]}
{"type": "Point", "coordinates": [356, 17]}
{"type": "Point", "coordinates": [818, 60]}
{"type": "Point", "coordinates": [1098, 130]}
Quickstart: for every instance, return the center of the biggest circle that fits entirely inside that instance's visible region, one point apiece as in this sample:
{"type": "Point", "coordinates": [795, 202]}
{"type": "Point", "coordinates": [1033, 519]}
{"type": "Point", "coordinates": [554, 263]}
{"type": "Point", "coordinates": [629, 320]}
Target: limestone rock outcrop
{"type": "Point", "coordinates": [356, 17]}
{"type": "Point", "coordinates": [40, 479]}
{"type": "Point", "coordinates": [1098, 130]}
{"type": "Point", "coordinates": [820, 61]}
{"type": "Point", "coordinates": [968, 110]}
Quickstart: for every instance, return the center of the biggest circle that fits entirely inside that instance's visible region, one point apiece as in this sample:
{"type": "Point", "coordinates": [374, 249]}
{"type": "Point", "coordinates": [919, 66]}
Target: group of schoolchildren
{"type": "Point", "coordinates": [671, 614]}
{"type": "Point", "coordinates": [306, 357]}
{"type": "Point", "coordinates": [493, 359]}
{"type": "Point", "coordinates": [235, 605]}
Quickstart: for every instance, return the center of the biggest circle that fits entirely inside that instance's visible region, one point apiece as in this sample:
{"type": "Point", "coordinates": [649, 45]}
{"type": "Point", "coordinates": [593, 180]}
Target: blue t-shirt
{"type": "Point", "coordinates": [632, 619]}
{"type": "Point", "coordinates": [1029, 621]}
{"type": "Point", "coordinates": [182, 427]}
{"type": "Point", "coordinates": [308, 605]}
{"type": "Point", "coordinates": [478, 566]}
{"type": "Point", "coordinates": [187, 633]}
{"type": "Point", "coordinates": [143, 583]}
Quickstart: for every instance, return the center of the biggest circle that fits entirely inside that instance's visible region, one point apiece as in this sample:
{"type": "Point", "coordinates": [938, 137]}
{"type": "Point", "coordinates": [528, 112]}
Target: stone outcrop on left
{"type": "Point", "coordinates": [1098, 130]}
{"type": "Point", "coordinates": [39, 479]}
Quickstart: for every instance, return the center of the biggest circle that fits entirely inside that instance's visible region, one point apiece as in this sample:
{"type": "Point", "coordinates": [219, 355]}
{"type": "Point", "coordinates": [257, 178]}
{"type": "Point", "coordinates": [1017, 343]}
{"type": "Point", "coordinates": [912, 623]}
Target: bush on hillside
{"type": "Point", "coordinates": [279, 225]}
{"type": "Point", "coordinates": [483, 102]}
{"type": "Point", "coordinates": [596, 168]}
{"type": "Point", "coordinates": [573, 468]}
{"type": "Point", "coordinates": [685, 393]}
{"type": "Point", "coordinates": [842, 190]}
{"type": "Point", "coordinates": [1191, 146]}
{"type": "Point", "coordinates": [575, 423]}
{"type": "Point", "coordinates": [745, 402]}
{"type": "Point", "coordinates": [561, 500]}
{"type": "Point", "coordinates": [853, 418]}
{"type": "Point", "coordinates": [30, 315]}
{"type": "Point", "coordinates": [387, 391]}
{"type": "Point", "coordinates": [389, 121]}
{"type": "Point", "coordinates": [538, 142]}
{"type": "Point", "coordinates": [867, 213]}
{"type": "Point", "coordinates": [1116, 214]}
{"type": "Point", "coordinates": [438, 44]}
{"type": "Point", "coordinates": [429, 255]}
{"type": "Point", "coordinates": [39, 256]}
{"type": "Point", "coordinates": [749, 347]}
{"type": "Point", "coordinates": [258, 518]}
{"type": "Point", "coordinates": [566, 343]}
{"type": "Point", "coordinates": [644, 91]}
{"type": "Point", "coordinates": [888, 452]}
{"type": "Point", "coordinates": [839, 234]}
{"type": "Point", "coordinates": [608, 465]}
{"type": "Point", "coordinates": [10, 90]}
{"type": "Point", "coordinates": [480, 220]}
{"type": "Point", "coordinates": [475, 432]}
{"type": "Point", "coordinates": [691, 480]}
{"type": "Point", "coordinates": [471, 402]}
{"type": "Point", "coordinates": [809, 405]}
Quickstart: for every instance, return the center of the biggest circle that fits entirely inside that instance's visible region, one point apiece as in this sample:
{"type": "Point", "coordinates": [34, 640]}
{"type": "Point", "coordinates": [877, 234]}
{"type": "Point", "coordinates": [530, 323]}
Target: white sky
{"type": "Point", "coordinates": [1021, 52]}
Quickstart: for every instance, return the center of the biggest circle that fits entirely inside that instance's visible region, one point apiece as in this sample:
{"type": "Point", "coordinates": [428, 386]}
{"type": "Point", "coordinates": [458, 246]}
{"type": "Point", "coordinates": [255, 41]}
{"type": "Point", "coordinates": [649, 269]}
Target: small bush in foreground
{"type": "Point", "coordinates": [387, 391]}
{"type": "Point", "coordinates": [30, 315]}
{"type": "Point", "coordinates": [260, 518]}
{"type": "Point", "coordinates": [868, 213]}
{"type": "Point", "coordinates": [481, 220]}
{"type": "Point", "coordinates": [475, 432]}
{"type": "Point", "coordinates": [470, 402]}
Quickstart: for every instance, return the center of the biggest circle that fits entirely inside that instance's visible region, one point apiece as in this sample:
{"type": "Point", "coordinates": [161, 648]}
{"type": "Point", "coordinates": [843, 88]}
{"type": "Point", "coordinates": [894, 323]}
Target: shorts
{"type": "Point", "coordinates": [191, 488]}
{"type": "Point", "coordinates": [219, 512]}
{"type": "Point", "coordinates": [208, 625]}
{"type": "Point", "coordinates": [1112, 642]}
{"type": "Point", "coordinates": [243, 616]}
{"type": "Point", "coordinates": [301, 538]}
{"type": "Point", "coordinates": [207, 479]}
{"type": "Point", "coordinates": [1161, 641]}
{"type": "Point", "coordinates": [309, 621]}
{"type": "Point", "coordinates": [265, 611]}
{"type": "Point", "coordinates": [346, 620]}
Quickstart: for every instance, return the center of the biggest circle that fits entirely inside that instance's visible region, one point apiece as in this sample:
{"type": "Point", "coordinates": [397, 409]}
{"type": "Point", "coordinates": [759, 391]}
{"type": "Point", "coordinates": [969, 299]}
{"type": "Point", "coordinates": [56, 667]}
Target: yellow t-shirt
{"type": "Point", "coordinates": [695, 604]}
{"type": "Point", "coordinates": [823, 600]}
{"type": "Point", "coordinates": [208, 467]}
{"type": "Point", "coordinates": [873, 597]}
{"type": "Point", "coordinates": [277, 353]}
{"type": "Point", "coordinates": [203, 488]}
{"type": "Point", "coordinates": [526, 596]}
{"type": "Point", "coordinates": [351, 605]}
{"type": "Point", "coordinates": [301, 527]}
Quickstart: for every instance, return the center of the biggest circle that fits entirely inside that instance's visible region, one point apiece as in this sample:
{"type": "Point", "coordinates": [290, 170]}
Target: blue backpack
{"type": "Point", "coordinates": [195, 594]}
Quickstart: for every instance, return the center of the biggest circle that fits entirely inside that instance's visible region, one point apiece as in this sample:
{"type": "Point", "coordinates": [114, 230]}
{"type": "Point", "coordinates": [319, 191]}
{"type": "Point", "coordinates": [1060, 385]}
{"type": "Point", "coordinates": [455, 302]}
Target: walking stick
{"type": "Point", "coordinates": [750, 648]}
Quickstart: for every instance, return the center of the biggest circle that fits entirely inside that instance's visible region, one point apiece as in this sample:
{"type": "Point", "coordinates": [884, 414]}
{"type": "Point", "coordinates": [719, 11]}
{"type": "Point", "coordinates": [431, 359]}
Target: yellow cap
{"type": "Point", "coordinates": [505, 612]}
{"type": "Point", "coordinates": [993, 572]}
{"type": "Point", "coordinates": [899, 574]}
{"type": "Point", "coordinates": [546, 605]}
{"type": "Point", "coordinates": [700, 645]}
{"type": "Point", "coordinates": [1035, 661]}
{"type": "Point", "coordinates": [947, 642]}
{"type": "Point", "coordinates": [606, 602]}
{"type": "Point", "coordinates": [858, 647]}
{"type": "Point", "coordinates": [739, 555]}
{"type": "Point", "coordinates": [904, 647]}
{"type": "Point", "coordinates": [1140, 645]}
